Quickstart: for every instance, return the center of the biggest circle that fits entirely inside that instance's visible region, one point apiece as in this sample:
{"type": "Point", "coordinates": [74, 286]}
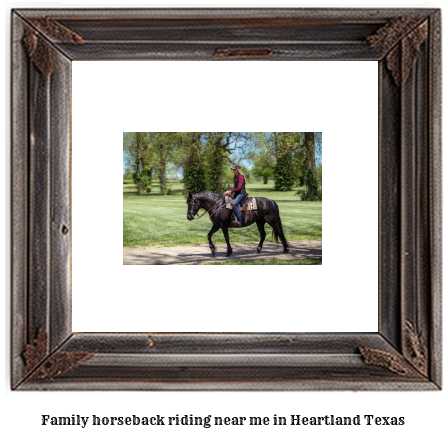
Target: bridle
{"type": "Point", "coordinates": [193, 200]}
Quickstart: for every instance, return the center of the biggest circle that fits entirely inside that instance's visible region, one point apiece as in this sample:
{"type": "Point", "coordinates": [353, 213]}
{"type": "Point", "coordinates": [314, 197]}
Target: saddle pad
{"type": "Point", "coordinates": [251, 205]}
{"type": "Point", "coordinates": [242, 206]}
{"type": "Point", "coordinates": [228, 203]}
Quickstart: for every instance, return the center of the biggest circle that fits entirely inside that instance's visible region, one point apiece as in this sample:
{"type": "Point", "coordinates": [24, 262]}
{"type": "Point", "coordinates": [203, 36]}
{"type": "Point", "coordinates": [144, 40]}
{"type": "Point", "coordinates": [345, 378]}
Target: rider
{"type": "Point", "coordinates": [238, 191]}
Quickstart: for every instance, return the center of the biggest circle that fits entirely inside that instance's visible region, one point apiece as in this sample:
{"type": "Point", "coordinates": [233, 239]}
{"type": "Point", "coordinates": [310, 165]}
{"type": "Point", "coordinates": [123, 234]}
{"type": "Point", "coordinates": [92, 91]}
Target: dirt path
{"type": "Point", "coordinates": [181, 255]}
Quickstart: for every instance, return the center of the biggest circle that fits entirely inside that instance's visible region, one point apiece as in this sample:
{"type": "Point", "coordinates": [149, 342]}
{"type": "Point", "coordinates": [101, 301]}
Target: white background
{"type": "Point", "coordinates": [112, 97]}
{"type": "Point", "coordinates": [20, 412]}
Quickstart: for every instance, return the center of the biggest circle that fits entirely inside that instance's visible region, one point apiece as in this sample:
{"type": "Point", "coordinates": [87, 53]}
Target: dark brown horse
{"type": "Point", "coordinates": [267, 212]}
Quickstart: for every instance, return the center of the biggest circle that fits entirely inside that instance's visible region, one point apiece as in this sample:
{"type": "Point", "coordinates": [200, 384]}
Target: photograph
{"type": "Point", "coordinates": [259, 195]}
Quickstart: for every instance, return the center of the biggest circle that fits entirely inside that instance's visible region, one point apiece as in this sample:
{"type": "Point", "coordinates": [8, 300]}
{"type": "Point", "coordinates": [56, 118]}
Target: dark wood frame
{"type": "Point", "coordinates": [405, 354]}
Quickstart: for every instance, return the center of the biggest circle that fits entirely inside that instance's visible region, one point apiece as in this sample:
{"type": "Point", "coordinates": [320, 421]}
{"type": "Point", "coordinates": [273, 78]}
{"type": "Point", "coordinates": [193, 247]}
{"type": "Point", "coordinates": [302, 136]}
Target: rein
{"type": "Point", "coordinates": [192, 204]}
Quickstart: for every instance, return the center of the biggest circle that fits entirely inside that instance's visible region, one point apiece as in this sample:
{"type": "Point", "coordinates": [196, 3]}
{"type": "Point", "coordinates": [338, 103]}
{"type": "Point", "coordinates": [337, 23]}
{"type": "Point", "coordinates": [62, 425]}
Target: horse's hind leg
{"type": "Point", "coordinates": [227, 239]}
{"type": "Point", "coordinates": [278, 233]}
{"type": "Point", "coordinates": [212, 247]}
{"type": "Point", "coordinates": [278, 230]}
{"type": "Point", "coordinates": [262, 233]}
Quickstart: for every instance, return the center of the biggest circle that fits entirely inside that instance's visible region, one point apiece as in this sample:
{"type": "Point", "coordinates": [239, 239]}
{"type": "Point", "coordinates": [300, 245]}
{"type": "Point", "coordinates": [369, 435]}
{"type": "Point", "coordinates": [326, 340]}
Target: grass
{"type": "Point", "coordinates": [155, 220]}
{"type": "Point", "coordinates": [271, 261]}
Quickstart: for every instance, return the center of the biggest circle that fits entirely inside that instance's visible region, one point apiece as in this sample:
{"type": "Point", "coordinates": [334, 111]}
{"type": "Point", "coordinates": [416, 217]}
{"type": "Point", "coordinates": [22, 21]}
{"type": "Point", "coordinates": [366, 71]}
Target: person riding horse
{"type": "Point", "coordinates": [239, 192]}
{"type": "Point", "coordinates": [266, 211]}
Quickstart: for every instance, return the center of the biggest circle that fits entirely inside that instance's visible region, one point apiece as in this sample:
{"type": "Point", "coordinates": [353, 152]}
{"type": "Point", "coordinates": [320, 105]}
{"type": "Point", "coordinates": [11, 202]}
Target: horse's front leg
{"type": "Point", "coordinates": [227, 239]}
{"type": "Point", "coordinates": [212, 247]}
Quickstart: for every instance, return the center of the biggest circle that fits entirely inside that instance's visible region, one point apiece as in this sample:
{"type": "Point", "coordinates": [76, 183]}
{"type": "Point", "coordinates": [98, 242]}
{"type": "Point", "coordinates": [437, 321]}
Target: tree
{"type": "Point", "coordinates": [312, 141]}
{"type": "Point", "coordinates": [194, 178]}
{"type": "Point", "coordinates": [309, 163]}
{"type": "Point", "coordinates": [282, 146]}
{"type": "Point", "coordinates": [283, 173]}
{"type": "Point", "coordinates": [221, 146]}
{"type": "Point", "coordinates": [127, 175]}
{"type": "Point", "coordinates": [138, 157]}
{"type": "Point", "coordinates": [264, 167]}
{"type": "Point", "coordinates": [163, 145]}
{"type": "Point", "coordinates": [294, 153]}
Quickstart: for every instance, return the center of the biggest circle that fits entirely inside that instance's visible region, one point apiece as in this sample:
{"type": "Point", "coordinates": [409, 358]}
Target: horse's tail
{"type": "Point", "coordinates": [275, 235]}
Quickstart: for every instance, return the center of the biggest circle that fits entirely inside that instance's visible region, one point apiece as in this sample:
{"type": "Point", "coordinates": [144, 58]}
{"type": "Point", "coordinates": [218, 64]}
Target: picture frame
{"type": "Point", "coordinates": [405, 353]}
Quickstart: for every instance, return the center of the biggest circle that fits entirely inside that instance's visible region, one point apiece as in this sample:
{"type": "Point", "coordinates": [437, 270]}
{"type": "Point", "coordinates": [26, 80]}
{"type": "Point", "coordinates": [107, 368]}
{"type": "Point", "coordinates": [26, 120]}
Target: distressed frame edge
{"type": "Point", "coordinates": [435, 139]}
{"type": "Point", "coordinates": [435, 218]}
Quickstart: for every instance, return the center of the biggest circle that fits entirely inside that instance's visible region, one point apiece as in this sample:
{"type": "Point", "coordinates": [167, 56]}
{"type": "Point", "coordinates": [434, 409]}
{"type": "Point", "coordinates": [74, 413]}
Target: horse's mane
{"type": "Point", "coordinates": [209, 195]}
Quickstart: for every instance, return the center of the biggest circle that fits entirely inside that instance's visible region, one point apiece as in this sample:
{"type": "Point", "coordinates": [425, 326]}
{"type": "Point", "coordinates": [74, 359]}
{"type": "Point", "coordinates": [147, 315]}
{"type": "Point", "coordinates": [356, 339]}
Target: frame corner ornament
{"type": "Point", "coordinates": [416, 348]}
{"type": "Point", "coordinates": [39, 50]}
{"type": "Point", "coordinates": [36, 351]}
{"type": "Point", "coordinates": [41, 366]}
{"type": "Point", "coordinates": [400, 40]}
{"type": "Point", "coordinates": [58, 364]}
{"type": "Point", "coordinates": [396, 363]}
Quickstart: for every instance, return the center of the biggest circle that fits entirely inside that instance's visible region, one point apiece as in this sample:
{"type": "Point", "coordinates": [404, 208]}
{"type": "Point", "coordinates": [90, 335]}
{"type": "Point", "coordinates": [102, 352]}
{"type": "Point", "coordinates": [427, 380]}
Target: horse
{"type": "Point", "coordinates": [267, 212]}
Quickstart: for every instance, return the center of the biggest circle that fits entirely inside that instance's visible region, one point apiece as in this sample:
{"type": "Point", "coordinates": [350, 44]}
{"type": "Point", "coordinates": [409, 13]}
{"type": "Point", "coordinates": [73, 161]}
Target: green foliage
{"type": "Point", "coordinates": [314, 191]}
{"type": "Point", "coordinates": [127, 174]}
{"type": "Point", "coordinates": [264, 167]}
{"type": "Point", "coordinates": [128, 181]}
{"type": "Point", "coordinates": [202, 159]}
{"type": "Point", "coordinates": [212, 172]}
{"type": "Point", "coordinates": [301, 192]}
{"type": "Point", "coordinates": [142, 180]}
{"type": "Point", "coordinates": [319, 174]}
{"type": "Point", "coordinates": [247, 174]}
{"type": "Point", "coordinates": [194, 178]}
{"type": "Point", "coordinates": [283, 174]}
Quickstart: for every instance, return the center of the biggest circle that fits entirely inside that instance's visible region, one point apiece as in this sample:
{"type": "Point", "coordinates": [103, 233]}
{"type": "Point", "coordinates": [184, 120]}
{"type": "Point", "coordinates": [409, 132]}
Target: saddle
{"type": "Point", "coordinates": [248, 205]}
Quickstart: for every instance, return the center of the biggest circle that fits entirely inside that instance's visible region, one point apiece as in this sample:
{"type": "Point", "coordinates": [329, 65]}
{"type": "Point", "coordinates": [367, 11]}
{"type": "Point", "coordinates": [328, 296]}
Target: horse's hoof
{"type": "Point", "coordinates": [213, 252]}
{"type": "Point", "coordinates": [228, 254]}
{"type": "Point", "coordinates": [258, 250]}
{"type": "Point", "coordinates": [286, 250]}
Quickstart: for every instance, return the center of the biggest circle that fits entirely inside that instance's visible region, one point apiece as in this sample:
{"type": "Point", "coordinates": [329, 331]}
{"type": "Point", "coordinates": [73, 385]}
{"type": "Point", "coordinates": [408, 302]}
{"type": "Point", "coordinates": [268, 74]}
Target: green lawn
{"type": "Point", "coordinates": [152, 219]}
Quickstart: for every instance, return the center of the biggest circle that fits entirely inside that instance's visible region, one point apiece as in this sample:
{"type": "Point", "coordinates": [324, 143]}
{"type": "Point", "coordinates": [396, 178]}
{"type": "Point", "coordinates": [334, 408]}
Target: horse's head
{"type": "Point", "coordinates": [193, 207]}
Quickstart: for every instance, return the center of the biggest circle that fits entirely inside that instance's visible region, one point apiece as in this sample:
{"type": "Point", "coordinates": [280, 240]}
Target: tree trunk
{"type": "Point", "coordinates": [163, 180]}
{"type": "Point", "coordinates": [140, 158]}
{"type": "Point", "coordinates": [219, 149]}
{"type": "Point", "coordinates": [140, 163]}
{"type": "Point", "coordinates": [219, 174]}
{"type": "Point", "coordinates": [266, 179]}
{"type": "Point", "coordinates": [162, 169]}
{"type": "Point", "coordinates": [309, 162]}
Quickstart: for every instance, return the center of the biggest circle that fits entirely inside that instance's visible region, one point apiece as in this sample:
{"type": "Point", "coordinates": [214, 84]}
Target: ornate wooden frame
{"type": "Point", "coordinates": [405, 354]}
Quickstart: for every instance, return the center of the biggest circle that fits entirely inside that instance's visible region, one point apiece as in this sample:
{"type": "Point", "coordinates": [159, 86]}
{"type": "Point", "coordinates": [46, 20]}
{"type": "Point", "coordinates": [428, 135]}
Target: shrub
{"type": "Point", "coordinates": [317, 196]}
{"type": "Point", "coordinates": [143, 180]}
{"type": "Point", "coordinates": [314, 191]}
{"type": "Point", "coordinates": [283, 174]}
{"type": "Point", "coordinates": [194, 179]}
{"type": "Point", "coordinates": [301, 192]}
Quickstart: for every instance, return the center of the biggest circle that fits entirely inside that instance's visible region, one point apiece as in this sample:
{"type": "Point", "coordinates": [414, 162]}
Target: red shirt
{"type": "Point", "coordinates": [239, 183]}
